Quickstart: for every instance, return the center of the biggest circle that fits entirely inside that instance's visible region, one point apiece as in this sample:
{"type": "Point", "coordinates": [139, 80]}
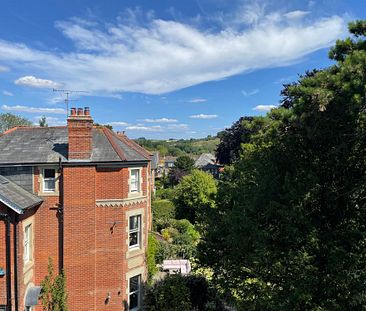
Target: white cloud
{"type": "Point", "coordinates": [204, 116]}
{"type": "Point", "coordinates": [160, 120]}
{"type": "Point", "coordinates": [3, 68]}
{"type": "Point", "coordinates": [117, 123]}
{"type": "Point", "coordinates": [51, 121]}
{"type": "Point", "coordinates": [36, 82]}
{"type": "Point", "coordinates": [294, 15]}
{"type": "Point", "coordinates": [177, 127]}
{"type": "Point", "coordinates": [198, 100]}
{"type": "Point", "coordinates": [19, 108]}
{"type": "Point", "coordinates": [264, 107]}
{"type": "Point", "coordinates": [250, 93]}
{"type": "Point", "coordinates": [155, 128]}
{"type": "Point", "coordinates": [163, 55]}
{"type": "Point", "coordinates": [7, 93]}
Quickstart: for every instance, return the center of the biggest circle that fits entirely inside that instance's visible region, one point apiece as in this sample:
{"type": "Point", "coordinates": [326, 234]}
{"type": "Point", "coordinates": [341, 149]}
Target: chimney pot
{"type": "Point", "coordinates": [73, 112]}
{"type": "Point", "coordinates": [80, 111]}
{"type": "Point", "coordinates": [87, 111]}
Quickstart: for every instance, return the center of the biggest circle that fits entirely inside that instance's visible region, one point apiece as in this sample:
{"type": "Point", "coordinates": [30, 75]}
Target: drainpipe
{"type": "Point", "coordinates": [60, 211]}
{"type": "Point", "coordinates": [6, 217]}
{"type": "Point", "coordinates": [16, 304]}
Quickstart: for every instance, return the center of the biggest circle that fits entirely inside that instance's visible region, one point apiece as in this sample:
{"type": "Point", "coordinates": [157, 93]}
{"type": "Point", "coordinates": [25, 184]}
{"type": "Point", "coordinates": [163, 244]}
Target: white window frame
{"type": "Point", "coordinates": [137, 230]}
{"type": "Point", "coordinates": [47, 179]}
{"type": "Point", "coordinates": [135, 186]}
{"type": "Point", "coordinates": [138, 292]}
{"type": "Point", "coordinates": [28, 230]}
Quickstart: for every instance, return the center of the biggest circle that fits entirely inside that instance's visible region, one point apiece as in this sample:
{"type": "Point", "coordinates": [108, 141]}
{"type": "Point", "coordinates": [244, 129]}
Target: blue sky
{"type": "Point", "coordinates": [162, 69]}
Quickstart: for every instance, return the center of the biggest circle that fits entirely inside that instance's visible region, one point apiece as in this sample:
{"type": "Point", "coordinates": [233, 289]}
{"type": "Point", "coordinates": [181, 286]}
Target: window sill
{"type": "Point", "coordinates": [48, 193]}
{"type": "Point", "coordinates": [136, 251]}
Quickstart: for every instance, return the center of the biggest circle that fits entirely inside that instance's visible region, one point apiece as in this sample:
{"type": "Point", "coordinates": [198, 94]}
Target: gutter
{"type": "Point", "coordinates": [6, 217]}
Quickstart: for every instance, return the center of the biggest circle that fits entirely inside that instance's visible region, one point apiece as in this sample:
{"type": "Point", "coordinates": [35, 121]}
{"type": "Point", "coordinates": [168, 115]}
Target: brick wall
{"type": "Point", "coordinates": [96, 256]}
{"type": "Point", "coordinates": [80, 236]}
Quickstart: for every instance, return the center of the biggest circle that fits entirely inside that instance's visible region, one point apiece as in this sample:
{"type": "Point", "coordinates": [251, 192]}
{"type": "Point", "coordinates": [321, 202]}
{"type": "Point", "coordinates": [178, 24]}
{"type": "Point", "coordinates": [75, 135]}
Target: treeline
{"type": "Point", "coordinates": [180, 147]}
{"type": "Point", "coordinates": [285, 227]}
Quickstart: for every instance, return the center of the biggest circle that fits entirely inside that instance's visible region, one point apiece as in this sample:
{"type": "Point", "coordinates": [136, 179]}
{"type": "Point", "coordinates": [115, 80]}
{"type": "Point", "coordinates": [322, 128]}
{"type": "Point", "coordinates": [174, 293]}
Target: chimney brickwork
{"type": "Point", "coordinates": [79, 127]}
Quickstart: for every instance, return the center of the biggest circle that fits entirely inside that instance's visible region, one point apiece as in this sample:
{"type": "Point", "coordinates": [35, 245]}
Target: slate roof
{"type": "Point", "coordinates": [47, 144]}
{"type": "Point", "coordinates": [205, 159]}
{"type": "Point", "coordinates": [16, 197]}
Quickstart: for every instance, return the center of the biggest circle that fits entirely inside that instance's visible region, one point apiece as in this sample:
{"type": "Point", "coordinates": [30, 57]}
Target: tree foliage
{"type": "Point", "coordinates": [177, 292]}
{"type": "Point", "coordinates": [180, 240]}
{"type": "Point", "coordinates": [53, 294]}
{"type": "Point", "coordinates": [9, 120]}
{"type": "Point", "coordinates": [229, 148]}
{"type": "Point", "coordinates": [289, 231]}
{"type": "Point", "coordinates": [182, 167]}
{"type": "Point", "coordinates": [195, 194]}
{"type": "Point", "coordinates": [43, 122]}
{"type": "Point", "coordinates": [151, 254]}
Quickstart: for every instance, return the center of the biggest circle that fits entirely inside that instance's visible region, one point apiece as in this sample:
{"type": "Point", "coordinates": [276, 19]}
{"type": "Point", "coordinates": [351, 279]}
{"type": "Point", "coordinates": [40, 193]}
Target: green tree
{"type": "Point", "coordinates": [170, 294]}
{"type": "Point", "coordinates": [53, 294]}
{"type": "Point", "coordinates": [195, 194]}
{"type": "Point", "coordinates": [43, 122]}
{"type": "Point", "coordinates": [289, 231]}
{"type": "Point", "coordinates": [184, 163]}
{"type": "Point", "coordinates": [182, 167]}
{"type": "Point", "coordinates": [9, 120]}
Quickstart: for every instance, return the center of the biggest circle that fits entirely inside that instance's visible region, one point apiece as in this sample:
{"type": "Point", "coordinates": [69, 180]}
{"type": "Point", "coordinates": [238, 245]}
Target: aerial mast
{"type": "Point", "coordinates": [67, 99]}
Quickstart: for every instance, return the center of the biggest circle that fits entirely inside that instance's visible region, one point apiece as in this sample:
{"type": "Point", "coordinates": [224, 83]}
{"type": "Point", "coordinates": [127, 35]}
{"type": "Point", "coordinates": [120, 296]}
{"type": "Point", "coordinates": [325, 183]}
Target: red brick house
{"type": "Point", "coordinates": [79, 194]}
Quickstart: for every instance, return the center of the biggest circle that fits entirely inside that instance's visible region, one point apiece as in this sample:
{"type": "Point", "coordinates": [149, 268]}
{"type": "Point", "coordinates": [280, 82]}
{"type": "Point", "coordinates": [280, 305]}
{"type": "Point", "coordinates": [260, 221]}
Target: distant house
{"type": "Point", "coordinates": [207, 163]}
{"type": "Point", "coordinates": [169, 162]}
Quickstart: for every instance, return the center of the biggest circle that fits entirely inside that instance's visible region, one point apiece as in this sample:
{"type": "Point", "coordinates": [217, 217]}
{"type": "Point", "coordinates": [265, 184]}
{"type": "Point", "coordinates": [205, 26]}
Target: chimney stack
{"type": "Point", "coordinates": [79, 128]}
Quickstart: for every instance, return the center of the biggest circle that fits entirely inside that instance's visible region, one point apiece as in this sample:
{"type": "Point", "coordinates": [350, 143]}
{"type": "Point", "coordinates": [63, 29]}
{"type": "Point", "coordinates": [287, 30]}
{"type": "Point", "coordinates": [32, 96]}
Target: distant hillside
{"type": "Point", "coordinates": [193, 147]}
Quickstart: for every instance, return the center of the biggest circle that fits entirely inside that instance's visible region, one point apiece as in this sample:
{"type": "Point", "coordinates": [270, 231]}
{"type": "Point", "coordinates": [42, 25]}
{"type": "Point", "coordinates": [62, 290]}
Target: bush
{"type": "Point", "coordinates": [178, 293]}
{"type": "Point", "coordinates": [170, 294]}
{"type": "Point", "coordinates": [163, 209]}
{"type": "Point", "coordinates": [167, 193]}
{"type": "Point", "coordinates": [151, 254]}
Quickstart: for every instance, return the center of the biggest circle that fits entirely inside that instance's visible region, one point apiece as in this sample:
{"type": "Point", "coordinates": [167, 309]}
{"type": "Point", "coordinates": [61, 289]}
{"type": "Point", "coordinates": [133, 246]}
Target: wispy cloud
{"type": "Point", "coordinates": [154, 128]}
{"type": "Point", "coordinates": [32, 81]}
{"type": "Point", "coordinates": [250, 93]}
{"type": "Point", "coordinates": [264, 107]}
{"type": "Point", "coordinates": [7, 93]}
{"type": "Point", "coordinates": [204, 116]}
{"type": "Point", "coordinates": [123, 58]}
{"type": "Point", "coordinates": [19, 108]}
{"type": "Point", "coordinates": [198, 100]}
{"type": "Point", "coordinates": [51, 121]}
{"type": "Point", "coordinates": [178, 127]}
{"type": "Point", "coordinates": [3, 68]}
{"type": "Point", "coordinates": [160, 120]}
{"type": "Point", "coordinates": [117, 123]}
{"type": "Point", "coordinates": [293, 15]}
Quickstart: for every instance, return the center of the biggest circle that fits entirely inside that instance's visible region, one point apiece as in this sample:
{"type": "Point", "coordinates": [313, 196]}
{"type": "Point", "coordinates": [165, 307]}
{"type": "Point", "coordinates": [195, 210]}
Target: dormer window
{"type": "Point", "coordinates": [49, 180]}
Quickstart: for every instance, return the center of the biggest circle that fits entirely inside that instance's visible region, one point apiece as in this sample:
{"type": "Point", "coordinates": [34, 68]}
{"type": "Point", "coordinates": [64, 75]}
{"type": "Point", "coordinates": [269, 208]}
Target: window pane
{"type": "Point", "coordinates": [49, 184]}
{"type": "Point", "coordinates": [134, 222]}
{"type": "Point", "coordinates": [134, 283]}
{"type": "Point", "coordinates": [134, 238]}
{"type": "Point", "coordinates": [135, 180]}
{"type": "Point", "coordinates": [49, 173]}
{"type": "Point", "coordinates": [134, 300]}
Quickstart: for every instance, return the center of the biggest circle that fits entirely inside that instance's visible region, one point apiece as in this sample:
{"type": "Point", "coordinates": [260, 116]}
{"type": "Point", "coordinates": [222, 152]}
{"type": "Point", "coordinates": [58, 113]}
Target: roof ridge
{"type": "Point", "coordinates": [10, 130]}
{"type": "Point", "coordinates": [134, 145]}
{"type": "Point", "coordinates": [109, 134]}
